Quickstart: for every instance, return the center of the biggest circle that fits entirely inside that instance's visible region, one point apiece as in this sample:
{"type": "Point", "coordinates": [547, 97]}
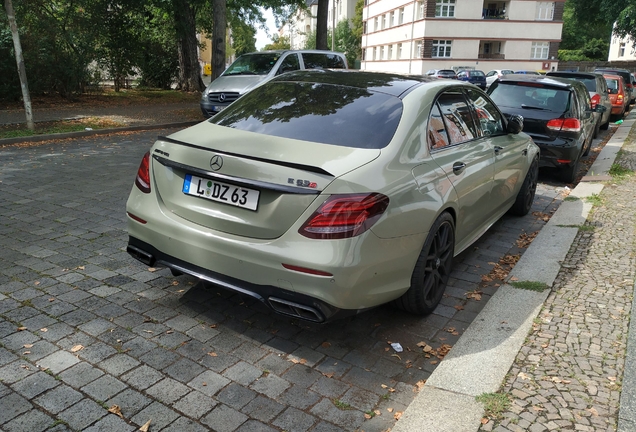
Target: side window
{"type": "Point", "coordinates": [289, 63]}
{"type": "Point", "coordinates": [491, 73]}
{"type": "Point", "coordinates": [488, 116]}
{"type": "Point", "coordinates": [437, 137]}
{"type": "Point", "coordinates": [322, 61]}
{"type": "Point", "coordinates": [457, 117]}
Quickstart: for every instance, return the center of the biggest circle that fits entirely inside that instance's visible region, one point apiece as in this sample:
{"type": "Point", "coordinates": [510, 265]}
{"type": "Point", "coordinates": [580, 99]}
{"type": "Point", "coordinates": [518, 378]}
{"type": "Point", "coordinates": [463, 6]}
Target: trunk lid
{"type": "Point", "coordinates": [245, 183]}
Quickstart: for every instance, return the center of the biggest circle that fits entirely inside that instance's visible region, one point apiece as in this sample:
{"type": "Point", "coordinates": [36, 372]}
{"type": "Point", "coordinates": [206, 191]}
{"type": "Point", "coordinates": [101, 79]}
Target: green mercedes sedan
{"type": "Point", "coordinates": [324, 193]}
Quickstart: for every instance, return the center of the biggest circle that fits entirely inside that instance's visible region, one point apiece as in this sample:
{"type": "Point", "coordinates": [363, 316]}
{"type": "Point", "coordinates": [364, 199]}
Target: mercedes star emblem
{"type": "Point", "coordinates": [222, 97]}
{"type": "Point", "coordinates": [216, 162]}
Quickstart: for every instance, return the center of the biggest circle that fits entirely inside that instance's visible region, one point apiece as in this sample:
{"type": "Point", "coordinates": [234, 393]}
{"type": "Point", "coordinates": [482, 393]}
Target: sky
{"type": "Point", "coordinates": [262, 38]}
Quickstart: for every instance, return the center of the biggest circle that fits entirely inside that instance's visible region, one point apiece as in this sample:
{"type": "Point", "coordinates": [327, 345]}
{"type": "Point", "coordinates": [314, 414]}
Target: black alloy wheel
{"type": "Point", "coordinates": [525, 198]}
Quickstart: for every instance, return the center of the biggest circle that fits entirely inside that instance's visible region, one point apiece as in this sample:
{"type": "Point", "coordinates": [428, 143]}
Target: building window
{"type": "Point", "coordinates": [401, 16]}
{"type": "Point", "coordinates": [441, 48]}
{"type": "Point", "coordinates": [385, 21]}
{"type": "Point", "coordinates": [621, 49]}
{"type": "Point", "coordinates": [392, 19]}
{"type": "Point", "coordinates": [445, 8]}
{"type": "Point", "coordinates": [421, 5]}
{"type": "Point", "coordinates": [417, 52]}
{"type": "Point", "coordinates": [364, 27]}
{"type": "Point", "coordinates": [375, 53]}
{"type": "Point", "coordinates": [399, 51]}
{"type": "Point", "coordinates": [389, 54]}
{"type": "Point", "coordinates": [545, 11]}
{"type": "Point", "coordinates": [382, 52]}
{"type": "Point", "coordinates": [540, 50]}
{"type": "Point", "coordinates": [376, 24]}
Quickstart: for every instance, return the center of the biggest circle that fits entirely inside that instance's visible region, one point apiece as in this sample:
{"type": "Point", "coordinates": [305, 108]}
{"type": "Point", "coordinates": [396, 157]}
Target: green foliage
{"type": "Point", "coordinates": [244, 38]}
{"type": "Point", "coordinates": [345, 41]}
{"type": "Point", "coordinates": [278, 43]}
{"type": "Point", "coordinates": [530, 285]}
{"type": "Point", "coordinates": [583, 38]}
{"type": "Point", "coordinates": [494, 403]}
{"type": "Point", "coordinates": [310, 42]}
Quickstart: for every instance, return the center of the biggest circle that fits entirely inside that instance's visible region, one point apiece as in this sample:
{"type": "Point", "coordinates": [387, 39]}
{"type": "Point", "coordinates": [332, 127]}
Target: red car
{"type": "Point", "coordinates": [616, 88]}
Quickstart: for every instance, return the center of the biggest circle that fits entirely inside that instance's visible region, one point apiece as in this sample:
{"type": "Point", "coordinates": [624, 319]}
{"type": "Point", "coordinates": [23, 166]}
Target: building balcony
{"type": "Point", "coordinates": [492, 56]}
{"type": "Point", "coordinates": [494, 10]}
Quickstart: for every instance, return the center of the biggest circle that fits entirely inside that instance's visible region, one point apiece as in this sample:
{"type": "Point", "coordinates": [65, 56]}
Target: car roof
{"type": "Point", "coordinates": [282, 51]}
{"type": "Point", "coordinates": [548, 80]}
{"type": "Point", "coordinates": [574, 74]}
{"type": "Point", "coordinates": [390, 83]}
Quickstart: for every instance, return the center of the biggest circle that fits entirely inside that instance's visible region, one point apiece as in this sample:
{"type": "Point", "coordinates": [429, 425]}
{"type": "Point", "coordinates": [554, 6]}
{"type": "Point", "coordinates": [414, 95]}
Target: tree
{"type": "Point", "coordinates": [187, 45]}
{"type": "Point", "coordinates": [622, 13]}
{"type": "Point", "coordinates": [278, 43]}
{"type": "Point", "coordinates": [20, 63]}
{"type": "Point", "coordinates": [243, 38]}
{"type": "Point", "coordinates": [321, 24]}
{"type": "Point", "coordinates": [578, 32]}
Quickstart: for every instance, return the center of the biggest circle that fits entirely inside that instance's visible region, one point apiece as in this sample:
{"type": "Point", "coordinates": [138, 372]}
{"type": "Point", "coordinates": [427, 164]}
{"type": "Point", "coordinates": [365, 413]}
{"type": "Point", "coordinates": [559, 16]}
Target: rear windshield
{"type": "Point", "coordinates": [253, 64]}
{"type": "Point", "coordinates": [324, 113]}
{"type": "Point", "coordinates": [612, 85]}
{"type": "Point", "coordinates": [515, 95]}
{"type": "Point", "coordinates": [590, 83]}
{"type": "Point", "coordinates": [476, 73]}
{"type": "Point", "coordinates": [323, 61]}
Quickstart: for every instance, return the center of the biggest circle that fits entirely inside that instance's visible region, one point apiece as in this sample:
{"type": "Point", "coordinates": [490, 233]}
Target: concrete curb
{"type": "Point", "coordinates": [39, 138]}
{"type": "Point", "coordinates": [483, 355]}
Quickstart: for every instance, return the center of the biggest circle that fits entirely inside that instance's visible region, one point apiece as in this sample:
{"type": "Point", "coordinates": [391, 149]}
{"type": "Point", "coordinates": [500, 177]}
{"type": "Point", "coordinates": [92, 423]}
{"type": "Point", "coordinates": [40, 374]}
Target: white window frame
{"type": "Point", "coordinates": [445, 9]}
{"type": "Point", "coordinates": [417, 49]}
{"type": "Point", "coordinates": [392, 19]}
{"type": "Point", "coordinates": [540, 50]}
{"type": "Point", "coordinates": [376, 24]}
{"type": "Point", "coordinates": [389, 54]}
{"type": "Point", "coordinates": [382, 52]}
{"type": "Point", "coordinates": [421, 4]}
{"type": "Point", "coordinates": [621, 49]}
{"type": "Point", "coordinates": [545, 11]}
{"type": "Point", "coordinates": [401, 16]}
{"type": "Point", "coordinates": [399, 51]}
{"type": "Point", "coordinates": [442, 48]}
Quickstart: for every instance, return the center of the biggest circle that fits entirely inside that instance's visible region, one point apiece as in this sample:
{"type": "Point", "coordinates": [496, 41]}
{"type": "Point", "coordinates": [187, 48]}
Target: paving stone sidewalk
{"type": "Point", "coordinates": [568, 375]}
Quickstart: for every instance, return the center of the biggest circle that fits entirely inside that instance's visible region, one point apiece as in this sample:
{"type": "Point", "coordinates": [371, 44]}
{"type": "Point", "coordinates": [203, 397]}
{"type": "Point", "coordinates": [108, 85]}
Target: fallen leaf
{"type": "Point", "coordinates": [459, 307]}
{"type": "Point", "coordinates": [180, 291]}
{"type": "Point", "coordinates": [514, 278]}
{"type": "Point", "coordinates": [170, 332]}
{"type": "Point", "coordinates": [21, 328]}
{"type": "Point", "coordinates": [384, 386]}
{"type": "Point", "coordinates": [115, 409]}
{"type": "Point", "coordinates": [302, 361]}
{"type": "Point", "coordinates": [145, 427]}
{"type": "Point", "coordinates": [434, 362]}
{"type": "Point", "coordinates": [397, 415]}
{"type": "Point", "coordinates": [329, 374]}
{"type": "Point", "coordinates": [36, 283]}
{"type": "Point", "coordinates": [390, 410]}
{"type": "Point", "coordinates": [367, 416]}
{"type": "Point", "coordinates": [152, 269]}
{"type": "Point", "coordinates": [420, 384]}
{"type": "Point", "coordinates": [523, 376]}
{"type": "Point", "coordinates": [26, 352]}
{"type": "Point", "coordinates": [27, 346]}
{"type": "Point", "coordinates": [538, 408]}
{"type": "Point", "coordinates": [377, 412]}
{"type": "Point", "coordinates": [204, 384]}
{"type": "Point", "coordinates": [175, 283]}
{"type": "Point", "coordinates": [51, 299]}
{"type": "Point", "coordinates": [44, 330]}
{"type": "Point", "coordinates": [213, 354]}
{"type": "Point", "coordinates": [213, 325]}
{"type": "Point", "coordinates": [24, 367]}
{"type": "Point", "coordinates": [148, 331]}
{"type": "Point", "coordinates": [395, 355]}
{"type": "Point", "coordinates": [593, 411]}
{"type": "Point", "coordinates": [77, 348]}
{"type": "Point", "coordinates": [611, 378]}
{"type": "Point", "coordinates": [484, 420]}
{"type": "Point", "coordinates": [81, 267]}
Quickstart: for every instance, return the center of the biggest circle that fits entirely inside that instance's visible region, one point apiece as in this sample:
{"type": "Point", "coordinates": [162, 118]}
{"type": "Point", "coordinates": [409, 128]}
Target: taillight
{"type": "Point", "coordinates": [620, 97]}
{"type": "Point", "coordinates": [596, 99]}
{"type": "Point", "coordinates": [143, 174]}
{"type": "Point", "coordinates": [344, 216]}
{"type": "Point", "coordinates": [565, 125]}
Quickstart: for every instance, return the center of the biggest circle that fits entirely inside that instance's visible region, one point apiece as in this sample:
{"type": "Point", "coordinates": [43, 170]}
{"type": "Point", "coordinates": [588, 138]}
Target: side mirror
{"type": "Point", "coordinates": [600, 109]}
{"type": "Point", "coordinates": [515, 124]}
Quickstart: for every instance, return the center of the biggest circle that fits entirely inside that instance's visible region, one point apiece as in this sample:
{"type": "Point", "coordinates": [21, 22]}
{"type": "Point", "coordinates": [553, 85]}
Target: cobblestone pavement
{"type": "Point", "coordinates": [84, 327]}
{"type": "Point", "coordinates": [568, 374]}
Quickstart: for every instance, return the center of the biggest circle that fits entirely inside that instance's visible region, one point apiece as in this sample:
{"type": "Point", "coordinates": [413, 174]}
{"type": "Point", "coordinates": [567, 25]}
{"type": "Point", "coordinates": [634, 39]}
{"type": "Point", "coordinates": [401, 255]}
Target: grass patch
{"type": "Point", "coordinates": [370, 413]}
{"type": "Point", "coordinates": [571, 198]}
{"type": "Point", "coordinates": [494, 403]}
{"type": "Point", "coordinates": [530, 285]}
{"type": "Point", "coordinates": [341, 405]}
{"type": "Point", "coordinates": [63, 126]}
{"type": "Point", "coordinates": [619, 172]}
{"type": "Point", "coordinates": [595, 199]}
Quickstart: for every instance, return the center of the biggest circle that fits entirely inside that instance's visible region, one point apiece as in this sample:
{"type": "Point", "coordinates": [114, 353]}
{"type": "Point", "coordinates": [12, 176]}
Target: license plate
{"type": "Point", "coordinates": [221, 192]}
{"type": "Point", "coordinates": [218, 108]}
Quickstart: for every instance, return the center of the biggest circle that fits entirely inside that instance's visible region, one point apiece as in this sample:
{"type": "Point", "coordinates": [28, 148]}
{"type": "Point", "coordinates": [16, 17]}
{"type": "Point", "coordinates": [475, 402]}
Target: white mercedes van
{"type": "Point", "coordinates": [253, 69]}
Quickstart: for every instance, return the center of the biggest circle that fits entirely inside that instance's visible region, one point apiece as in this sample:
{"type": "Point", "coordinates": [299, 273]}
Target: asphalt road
{"type": "Point", "coordinates": [84, 327]}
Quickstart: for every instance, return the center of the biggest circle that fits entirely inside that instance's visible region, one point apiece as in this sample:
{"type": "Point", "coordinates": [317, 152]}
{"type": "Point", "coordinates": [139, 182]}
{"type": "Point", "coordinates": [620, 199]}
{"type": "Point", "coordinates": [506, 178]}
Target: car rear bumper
{"type": "Point", "coordinates": [558, 150]}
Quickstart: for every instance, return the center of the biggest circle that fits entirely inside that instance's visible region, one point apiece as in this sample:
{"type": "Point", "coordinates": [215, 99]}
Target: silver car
{"type": "Point", "coordinates": [251, 70]}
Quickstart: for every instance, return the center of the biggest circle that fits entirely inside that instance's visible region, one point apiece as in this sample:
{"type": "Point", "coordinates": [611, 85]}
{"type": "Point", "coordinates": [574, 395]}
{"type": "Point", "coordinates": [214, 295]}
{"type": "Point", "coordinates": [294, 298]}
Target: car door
{"type": "Point", "coordinates": [510, 152]}
{"type": "Point", "coordinates": [585, 111]}
{"type": "Point", "coordinates": [466, 159]}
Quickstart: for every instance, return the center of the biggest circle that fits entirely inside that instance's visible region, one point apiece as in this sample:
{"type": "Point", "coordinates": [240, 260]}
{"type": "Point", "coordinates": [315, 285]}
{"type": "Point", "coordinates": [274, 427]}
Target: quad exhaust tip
{"type": "Point", "coordinates": [297, 310]}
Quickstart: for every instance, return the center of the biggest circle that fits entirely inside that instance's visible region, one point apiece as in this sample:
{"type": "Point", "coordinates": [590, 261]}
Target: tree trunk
{"type": "Point", "coordinates": [189, 67]}
{"type": "Point", "coordinates": [219, 29]}
{"type": "Point", "coordinates": [19, 59]}
{"type": "Point", "coordinates": [321, 24]}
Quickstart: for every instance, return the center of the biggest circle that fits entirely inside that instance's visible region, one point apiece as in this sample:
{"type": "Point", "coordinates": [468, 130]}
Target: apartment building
{"type": "Point", "coordinates": [409, 36]}
{"type": "Point", "coordinates": [303, 22]}
{"type": "Point", "coordinates": [621, 49]}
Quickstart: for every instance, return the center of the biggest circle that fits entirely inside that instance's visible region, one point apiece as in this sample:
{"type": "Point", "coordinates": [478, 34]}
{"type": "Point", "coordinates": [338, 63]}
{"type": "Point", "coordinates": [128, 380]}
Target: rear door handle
{"type": "Point", "coordinates": [498, 149]}
{"type": "Point", "coordinates": [459, 167]}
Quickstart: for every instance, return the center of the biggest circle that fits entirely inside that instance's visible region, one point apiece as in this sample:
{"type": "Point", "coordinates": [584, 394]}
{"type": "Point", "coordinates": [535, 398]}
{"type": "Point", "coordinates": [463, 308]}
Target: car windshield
{"type": "Point", "coordinates": [476, 73]}
{"type": "Point", "coordinates": [515, 95]}
{"type": "Point", "coordinates": [324, 113]}
{"type": "Point", "coordinates": [253, 64]}
{"type": "Point", "coordinates": [590, 83]}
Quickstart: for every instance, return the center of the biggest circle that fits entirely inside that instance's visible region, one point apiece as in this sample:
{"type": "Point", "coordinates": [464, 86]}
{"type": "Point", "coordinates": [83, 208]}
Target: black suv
{"type": "Point", "coordinates": [557, 114]}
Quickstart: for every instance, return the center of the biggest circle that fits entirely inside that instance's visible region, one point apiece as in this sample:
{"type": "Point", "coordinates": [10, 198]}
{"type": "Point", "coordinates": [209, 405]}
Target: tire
{"type": "Point", "coordinates": [432, 269]}
{"type": "Point", "coordinates": [568, 174]}
{"type": "Point", "coordinates": [605, 125]}
{"type": "Point", "coordinates": [525, 197]}
{"type": "Point", "coordinates": [596, 129]}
